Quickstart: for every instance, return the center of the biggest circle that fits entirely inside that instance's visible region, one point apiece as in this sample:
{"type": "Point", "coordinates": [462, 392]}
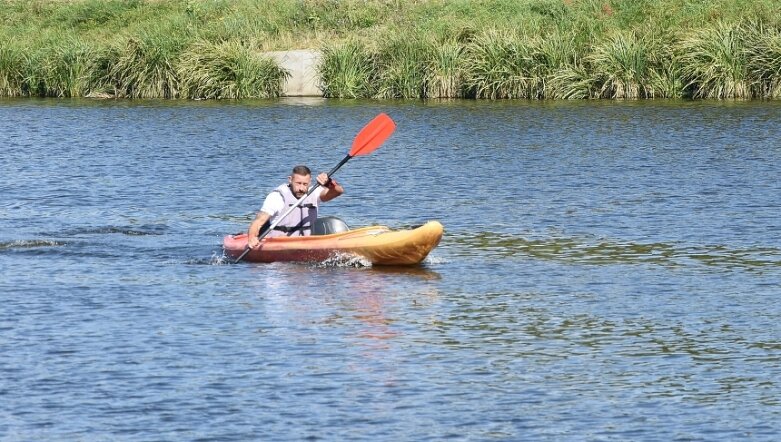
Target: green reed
{"type": "Point", "coordinates": [493, 49]}
{"type": "Point", "coordinates": [230, 69]}
{"type": "Point", "coordinates": [145, 65]}
{"type": "Point", "coordinates": [502, 65]}
{"type": "Point", "coordinates": [66, 69]}
{"type": "Point", "coordinates": [621, 67]}
{"type": "Point", "coordinates": [401, 68]}
{"type": "Point", "coordinates": [12, 62]}
{"type": "Point", "coordinates": [347, 71]}
{"type": "Point", "coordinates": [444, 75]}
{"type": "Point", "coordinates": [560, 62]}
{"type": "Point", "coordinates": [714, 62]}
{"type": "Point", "coordinates": [763, 51]}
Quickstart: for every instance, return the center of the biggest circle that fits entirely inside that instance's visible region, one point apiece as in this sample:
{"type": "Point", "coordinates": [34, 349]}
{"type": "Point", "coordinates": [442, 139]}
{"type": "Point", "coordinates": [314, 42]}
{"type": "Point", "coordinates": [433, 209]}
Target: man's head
{"type": "Point", "coordinates": [299, 181]}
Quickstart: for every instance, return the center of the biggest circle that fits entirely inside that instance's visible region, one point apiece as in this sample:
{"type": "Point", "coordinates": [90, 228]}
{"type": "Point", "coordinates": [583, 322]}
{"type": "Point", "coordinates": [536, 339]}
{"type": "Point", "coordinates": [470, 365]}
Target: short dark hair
{"type": "Point", "coordinates": [301, 170]}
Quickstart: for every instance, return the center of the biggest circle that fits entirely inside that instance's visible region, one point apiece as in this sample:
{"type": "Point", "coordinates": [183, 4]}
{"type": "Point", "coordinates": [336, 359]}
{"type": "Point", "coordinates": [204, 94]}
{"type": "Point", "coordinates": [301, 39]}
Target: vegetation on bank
{"type": "Point", "coordinates": [534, 49]}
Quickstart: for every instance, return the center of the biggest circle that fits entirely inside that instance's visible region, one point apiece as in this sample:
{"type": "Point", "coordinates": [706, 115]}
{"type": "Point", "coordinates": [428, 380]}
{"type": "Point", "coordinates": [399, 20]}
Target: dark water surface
{"type": "Point", "coordinates": [609, 271]}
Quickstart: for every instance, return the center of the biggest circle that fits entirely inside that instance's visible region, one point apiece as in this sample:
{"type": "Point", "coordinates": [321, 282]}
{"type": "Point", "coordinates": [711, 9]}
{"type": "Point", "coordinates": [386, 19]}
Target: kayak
{"type": "Point", "coordinates": [378, 244]}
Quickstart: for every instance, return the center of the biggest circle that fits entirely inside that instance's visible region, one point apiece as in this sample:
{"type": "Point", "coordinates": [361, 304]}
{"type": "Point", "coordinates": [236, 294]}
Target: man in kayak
{"type": "Point", "coordinates": [300, 221]}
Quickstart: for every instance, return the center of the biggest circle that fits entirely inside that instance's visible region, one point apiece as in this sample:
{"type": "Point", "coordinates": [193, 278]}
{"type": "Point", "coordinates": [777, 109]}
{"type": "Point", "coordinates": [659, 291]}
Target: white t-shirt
{"type": "Point", "coordinates": [274, 204]}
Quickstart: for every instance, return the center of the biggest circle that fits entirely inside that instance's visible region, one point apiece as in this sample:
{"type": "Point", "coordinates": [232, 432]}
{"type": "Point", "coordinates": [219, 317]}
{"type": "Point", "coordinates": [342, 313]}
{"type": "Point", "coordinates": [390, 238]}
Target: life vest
{"type": "Point", "coordinates": [300, 221]}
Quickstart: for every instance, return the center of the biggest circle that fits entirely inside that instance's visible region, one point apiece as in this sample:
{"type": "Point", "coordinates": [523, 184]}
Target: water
{"type": "Point", "coordinates": [609, 271]}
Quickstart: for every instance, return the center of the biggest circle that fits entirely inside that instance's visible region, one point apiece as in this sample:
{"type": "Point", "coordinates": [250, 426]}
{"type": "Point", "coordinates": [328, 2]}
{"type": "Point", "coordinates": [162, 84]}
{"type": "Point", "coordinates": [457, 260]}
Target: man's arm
{"type": "Point", "coordinates": [332, 188]}
{"type": "Point", "coordinates": [271, 205]}
{"type": "Point", "coordinates": [254, 228]}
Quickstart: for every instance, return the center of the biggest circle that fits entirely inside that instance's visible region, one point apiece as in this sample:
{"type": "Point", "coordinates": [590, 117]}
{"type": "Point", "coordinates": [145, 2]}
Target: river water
{"type": "Point", "coordinates": [609, 271]}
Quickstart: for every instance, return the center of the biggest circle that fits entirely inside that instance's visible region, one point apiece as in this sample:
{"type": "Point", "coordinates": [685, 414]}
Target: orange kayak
{"type": "Point", "coordinates": [378, 244]}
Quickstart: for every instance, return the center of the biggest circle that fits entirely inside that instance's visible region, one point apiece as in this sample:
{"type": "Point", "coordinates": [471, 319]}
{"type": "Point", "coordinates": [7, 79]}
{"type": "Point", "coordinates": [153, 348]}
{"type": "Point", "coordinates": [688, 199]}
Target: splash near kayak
{"type": "Point", "coordinates": [377, 244]}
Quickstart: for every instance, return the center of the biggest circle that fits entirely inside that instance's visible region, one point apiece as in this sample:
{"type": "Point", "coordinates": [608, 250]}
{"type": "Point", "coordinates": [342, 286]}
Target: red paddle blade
{"type": "Point", "coordinates": [373, 135]}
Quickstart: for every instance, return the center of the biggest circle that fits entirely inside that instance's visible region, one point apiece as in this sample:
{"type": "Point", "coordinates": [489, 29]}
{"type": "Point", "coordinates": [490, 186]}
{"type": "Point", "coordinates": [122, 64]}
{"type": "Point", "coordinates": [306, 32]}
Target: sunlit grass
{"type": "Point", "coordinates": [714, 63]}
{"type": "Point", "coordinates": [502, 65]}
{"type": "Point", "coordinates": [573, 82]}
{"type": "Point", "coordinates": [444, 77]}
{"type": "Point", "coordinates": [621, 67]}
{"type": "Point", "coordinates": [228, 70]}
{"type": "Point", "coordinates": [347, 71]}
{"type": "Point", "coordinates": [67, 69]}
{"type": "Point", "coordinates": [144, 66]}
{"type": "Point", "coordinates": [492, 49]}
{"type": "Point", "coordinates": [666, 78]}
{"type": "Point", "coordinates": [763, 50]}
{"type": "Point", "coordinates": [12, 61]}
{"type": "Point", "coordinates": [401, 66]}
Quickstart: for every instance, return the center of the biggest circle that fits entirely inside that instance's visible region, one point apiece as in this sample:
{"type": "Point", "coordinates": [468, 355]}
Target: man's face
{"type": "Point", "coordinates": [299, 184]}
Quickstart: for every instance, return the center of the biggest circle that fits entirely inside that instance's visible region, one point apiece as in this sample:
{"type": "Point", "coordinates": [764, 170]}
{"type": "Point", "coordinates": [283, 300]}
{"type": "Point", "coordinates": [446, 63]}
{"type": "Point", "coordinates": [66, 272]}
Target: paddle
{"type": "Point", "coordinates": [367, 141]}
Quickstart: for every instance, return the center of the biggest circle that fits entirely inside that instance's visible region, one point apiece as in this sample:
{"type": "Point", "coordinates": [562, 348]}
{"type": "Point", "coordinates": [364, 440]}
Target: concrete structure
{"type": "Point", "coordinates": [302, 65]}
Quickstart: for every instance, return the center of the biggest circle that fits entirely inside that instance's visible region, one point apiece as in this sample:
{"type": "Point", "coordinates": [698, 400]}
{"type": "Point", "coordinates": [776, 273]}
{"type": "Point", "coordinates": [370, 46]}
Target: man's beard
{"type": "Point", "coordinates": [298, 195]}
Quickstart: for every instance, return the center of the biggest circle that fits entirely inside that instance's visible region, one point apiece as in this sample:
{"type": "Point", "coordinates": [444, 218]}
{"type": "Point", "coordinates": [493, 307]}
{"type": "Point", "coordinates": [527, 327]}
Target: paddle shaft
{"type": "Point", "coordinates": [293, 207]}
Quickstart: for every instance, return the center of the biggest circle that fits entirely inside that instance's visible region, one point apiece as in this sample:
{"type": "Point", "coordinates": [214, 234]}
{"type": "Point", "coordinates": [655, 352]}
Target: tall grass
{"type": "Point", "coordinates": [144, 66]}
{"type": "Point", "coordinates": [714, 62]}
{"type": "Point", "coordinates": [501, 65]}
{"type": "Point", "coordinates": [491, 49]}
{"type": "Point", "coordinates": [347, 71]}
{"type": "Point", "coordinates": [402, 68]}
{"type": "Point", "coordinates": [229, 70]}
{"type": "Point", "coordinates": [573, 82]}
{"type": "Point", "coordinates": [666, 77]}
{"type": "Point", "coordinates": [444, 76]}
{"type": "Point", "coordinates": [12, 61]}
{"type": "Point", "coordinates": [763, 51]}
{"type": "Point", "coordinates": [402, 64]}
{"type": "Point", "coordinates": [67, 69]}
{"type": "Point", "coordinates": [621, 67]}
{"type": "Point", "coordinates": [564, 72]}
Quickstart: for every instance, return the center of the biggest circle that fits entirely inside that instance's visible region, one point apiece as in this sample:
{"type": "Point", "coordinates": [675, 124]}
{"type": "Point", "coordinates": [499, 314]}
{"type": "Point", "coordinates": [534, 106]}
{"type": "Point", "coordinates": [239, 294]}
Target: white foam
{"type": "Point", "coordinates": [341, 259]}
{"type": "Point", "coordinates": [435, 260]}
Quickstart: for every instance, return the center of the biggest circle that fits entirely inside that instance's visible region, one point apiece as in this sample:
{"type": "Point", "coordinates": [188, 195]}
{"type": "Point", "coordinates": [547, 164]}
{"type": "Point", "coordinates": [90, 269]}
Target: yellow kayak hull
{"type": "Point", "coordinates": [377, 244]}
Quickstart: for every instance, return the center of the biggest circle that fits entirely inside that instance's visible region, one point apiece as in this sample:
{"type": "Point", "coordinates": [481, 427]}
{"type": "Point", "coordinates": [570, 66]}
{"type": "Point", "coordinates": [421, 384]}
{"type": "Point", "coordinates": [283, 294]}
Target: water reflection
{"type": "Point", "coordinates": [363, 301]}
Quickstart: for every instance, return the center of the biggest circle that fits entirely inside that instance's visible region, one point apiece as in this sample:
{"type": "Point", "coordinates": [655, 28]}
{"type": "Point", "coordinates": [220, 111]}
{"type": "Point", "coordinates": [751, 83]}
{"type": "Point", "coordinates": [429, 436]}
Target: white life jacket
{"type": "Point", "coordinates": [300, 221]}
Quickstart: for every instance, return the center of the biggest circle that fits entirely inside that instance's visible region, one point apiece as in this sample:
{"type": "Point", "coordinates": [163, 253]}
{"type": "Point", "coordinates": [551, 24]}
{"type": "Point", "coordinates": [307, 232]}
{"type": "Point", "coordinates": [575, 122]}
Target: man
{"type": "Point", "coordinates": [302, 218]}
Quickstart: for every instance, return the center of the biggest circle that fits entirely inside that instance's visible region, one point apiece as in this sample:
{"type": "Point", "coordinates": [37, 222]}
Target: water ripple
{"type": "Point", "coordinates": [609, 271]}
{"type": "Point", "coordinates": [145, 230]}
{"type": "Point", "coordinates": [600, 251]}
{"type": "Point", "coordinates": [29, 244]}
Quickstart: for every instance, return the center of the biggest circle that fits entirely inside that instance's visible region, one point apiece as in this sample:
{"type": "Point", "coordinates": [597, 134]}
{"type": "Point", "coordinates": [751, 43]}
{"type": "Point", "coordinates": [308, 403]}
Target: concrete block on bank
{"type": "Point", "coordinates": [302, 65]}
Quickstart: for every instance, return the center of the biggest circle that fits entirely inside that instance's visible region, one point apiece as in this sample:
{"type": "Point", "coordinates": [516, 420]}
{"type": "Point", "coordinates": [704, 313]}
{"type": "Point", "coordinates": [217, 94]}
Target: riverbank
{"type": "Point", "coordinates": [492, 49]}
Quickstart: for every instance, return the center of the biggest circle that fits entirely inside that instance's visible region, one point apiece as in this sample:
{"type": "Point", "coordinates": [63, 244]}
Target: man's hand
{"type": "Point", "coordinates": [323, 179]}
{"type": "Point", "coordinates": [332, 188]}
{"type": "Point", "coordinates": [254, 229]}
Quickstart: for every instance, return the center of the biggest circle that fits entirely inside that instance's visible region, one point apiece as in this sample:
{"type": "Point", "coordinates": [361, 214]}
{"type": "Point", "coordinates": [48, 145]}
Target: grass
{"type": "Point", "coordinates": [714, 62]}
{"type": "Point", "coordinates": [483, 49]}
{"type": "Point", "coordinates": [347, 71]}
{"type": "Point", "coordinates": [444, 77]}
{"type": "Point", "coordinates": [230, 69]}
{"type": "Point", "coordinates": [64, 69]}
{"type": "Point", "coordinates": [12, 67]}
{"type": "Point", "coordinates": [621, 66]}
{"type": "Point", "coordinates": [401, 68]}
{"type": "Point", "coordinates": [763, 53]}
{"type": "Point", "coordinates": [144, 66]}
{"type": "Point", "coordinates": [502, 65]}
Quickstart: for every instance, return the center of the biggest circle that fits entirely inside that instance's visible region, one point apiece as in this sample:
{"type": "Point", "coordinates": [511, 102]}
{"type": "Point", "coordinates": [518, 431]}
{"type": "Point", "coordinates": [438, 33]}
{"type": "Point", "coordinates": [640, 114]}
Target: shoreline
{"type": "Point", "coordinates": [497, 49]}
